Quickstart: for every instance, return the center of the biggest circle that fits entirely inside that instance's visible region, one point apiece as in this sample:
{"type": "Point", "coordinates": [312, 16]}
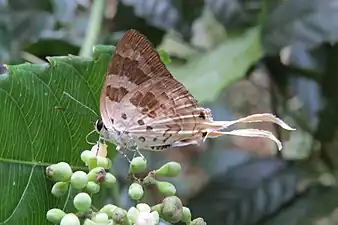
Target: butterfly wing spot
{"type": "Point", "coordinates": [149, 128]}
{"type": "Point", "coordinates": [124, 116]}
{"type": "Point", "coordinates": [112, 121]}
{"type": "Point", "coordinates": [116, 94]}
{"type": "Point", "coordinates": [140, 122]}
{"type": "Point", "coordinates": [152, 114]}
{"type": "Point", "coordinates": [142, 139]}
{"type": "Point", "coordinates": [202, 115]}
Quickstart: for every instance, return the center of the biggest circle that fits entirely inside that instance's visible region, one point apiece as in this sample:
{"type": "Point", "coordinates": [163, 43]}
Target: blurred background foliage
{"type": "Point", "coordinates": [237, 57]}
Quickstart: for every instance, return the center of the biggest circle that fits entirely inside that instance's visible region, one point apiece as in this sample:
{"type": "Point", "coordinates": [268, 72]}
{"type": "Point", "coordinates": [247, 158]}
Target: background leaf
{"type": "Point", "coordinates": [40, 126]}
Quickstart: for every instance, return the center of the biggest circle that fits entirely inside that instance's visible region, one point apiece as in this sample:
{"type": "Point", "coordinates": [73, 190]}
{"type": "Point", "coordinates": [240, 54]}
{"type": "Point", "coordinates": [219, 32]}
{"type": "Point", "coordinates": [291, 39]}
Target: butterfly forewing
{"type": "Point", "coordinates": [141, 98]}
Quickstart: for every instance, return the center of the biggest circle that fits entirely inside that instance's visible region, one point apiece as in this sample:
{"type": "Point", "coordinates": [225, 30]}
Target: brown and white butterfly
{"type": "Point", "coordinates": [143, 107]}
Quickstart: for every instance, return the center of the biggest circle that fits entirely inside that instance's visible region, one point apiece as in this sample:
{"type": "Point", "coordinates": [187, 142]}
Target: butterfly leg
{"type": "Point", "coordinates": [139, 153]}
{"type": "Point", "coordinates": [118, 148]}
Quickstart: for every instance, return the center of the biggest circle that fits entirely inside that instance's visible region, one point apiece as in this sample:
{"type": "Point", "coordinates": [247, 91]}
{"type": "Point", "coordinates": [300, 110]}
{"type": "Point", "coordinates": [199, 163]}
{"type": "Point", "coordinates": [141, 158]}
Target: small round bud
{"type": "Point", "coordinates": [157, 207]}
{"type": "Point", "coordinates": [85, 155]}
{"type": "Point", "coordinates": [108, 209]}
{"type": "Point", "coordinates": [92, 162]}
{"type": "Point", "coordinates": [172, 209]}
{"type": "Point", "coordinates": [101, 218]}
{"type": "Point", "coordinates": [89, 222]}
{"type": "Point", "coordinates": [198, 221]}
{"type": "Point", "coordinates": [137, 165]}
{"type": "Point", "coordinates": [55, 215]}
{"type": "Point", "coordinates": [82, 202]}
{"type": "Point", "coordinates": [59, 172]}
{"type": "Point", "coordinates": [70, 219]}
{"type": "Point", "coordinates": [119, 216]}
{"type": "Point", "coordinates": [109, 180]}
{"type": "Point", "coordinates": [94, 173]}
{"type": "Point", "coordinates": [186, 215]}
{"type": "Point", "coordinates": [166, 188]}
{"type": "Point", "coordinates": [135, 191]}
{"type": "Point", "coordinates": [92, 187]}
{"type": "Point", "coordinates": [143, 207]}
{"type": "Point", "coordinates": [102, 162]}
{"type": "Point", "coordinates": [79, 180]}
{"type": "Point", "coordinates": [170, 169]}
{"type": "Point", "coordinates": [60, 188]}
{"type": "Point", "coordinates": [133, 214]}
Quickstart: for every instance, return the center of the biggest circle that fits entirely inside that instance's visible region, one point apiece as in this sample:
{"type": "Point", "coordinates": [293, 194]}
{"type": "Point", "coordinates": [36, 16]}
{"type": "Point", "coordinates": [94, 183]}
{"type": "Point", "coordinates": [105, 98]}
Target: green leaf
{"type": "Point", "coordinates": [40, 126]}
{"type": "Point", "coordinates": [207, 74]}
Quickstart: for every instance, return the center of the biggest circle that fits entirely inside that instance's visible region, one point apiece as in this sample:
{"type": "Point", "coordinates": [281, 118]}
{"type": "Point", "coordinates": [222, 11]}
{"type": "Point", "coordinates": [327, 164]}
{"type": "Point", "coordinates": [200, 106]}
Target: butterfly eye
{"type": "Point", "coordinates": [98, 125]}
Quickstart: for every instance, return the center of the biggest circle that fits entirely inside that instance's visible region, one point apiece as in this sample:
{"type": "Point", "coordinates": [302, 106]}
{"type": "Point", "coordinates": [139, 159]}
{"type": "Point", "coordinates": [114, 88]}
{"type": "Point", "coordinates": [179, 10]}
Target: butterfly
{"type": "Point", "coordinates": [143, 107]}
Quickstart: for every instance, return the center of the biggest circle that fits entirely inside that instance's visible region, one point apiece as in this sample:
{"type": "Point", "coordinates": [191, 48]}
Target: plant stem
{"type": "Point", "coordinates": [94, 27]}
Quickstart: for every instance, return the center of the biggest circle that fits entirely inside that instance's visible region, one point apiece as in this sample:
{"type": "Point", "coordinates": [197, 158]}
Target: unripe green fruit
{"type": "Point", "coordinates": [70, 219]}
{"type": "Point", "coordinates": [94, 173]}
{"type": "Point", "coordinates": [82, 202]}
{"type": "Point", "coordinates": [60, 188]}
{"type": "Point", "coordinates": [79, 180]}
{"type": "Point", "coordinates": [89, 222]}
{"type": "Point", "coordinates": [186, 215]}
{"type": "Point", "coordinates": [170, 169]}
{"type": "Point", "coordinates": [101, 218]}
{"type": "Point", "coordinates": [198, 221]}
{"type": "Point", "coordinates": [85, 155]}
{"type": "Point", "coordinates": [132, 214]}
{"type": "Point", "coordinates": [92, 162]}
{"type": "Point", "coordinates": [137, 165]}
{"type": "Point", "coordinates": [143, 207]}
{"type": "Point", "coordinates": [108, 209]}
{"type": "Point", "coordinates": [59, 172]}
{"type": "Point", "coordinates": [135, 191]}
{"type": "Point", "coordinates": [102, 162]}
{"type": "Point", "coordinates": [119, 216]}
{"type": "Point", "coordinates": [157, 207]}
{"type": "Point", "coordinates": [166, 188]}
{"type": "Point", "coordinates": [92, 187]}
{"type": "Point", "coordinates": [109, 180]}
{"type": "Point", "coordinates": [55, 215]}
{"type": "Point", "coordinates": [172, 209]}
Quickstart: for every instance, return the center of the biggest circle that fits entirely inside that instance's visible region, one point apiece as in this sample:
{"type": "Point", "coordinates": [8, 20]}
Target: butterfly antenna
{"type": "Point", "coordinates": [77, 101]}
{"type": "Point", "coordinates": [88, 142]}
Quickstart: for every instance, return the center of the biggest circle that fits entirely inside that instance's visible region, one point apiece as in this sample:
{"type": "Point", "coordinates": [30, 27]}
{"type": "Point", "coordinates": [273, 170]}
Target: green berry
{"type": "Point", "coordinates": [135, 191]}
{"type": "Point", "coordinates": [70, 219]}
{"type": "Point", "coordinates": [60, 188]}
{"type": "Point", "coordinates": [137, 165]}
{"type": "Point", "coordinates": [186, 215]}
{"type": "Point", "coordinates": [119, 216]}
{"type": "Point", "coordinates": [157, 207]}
{"type": "Point", "coordinates": [59, 172]}
{"type": "Point", "coordinates": [132, 214]}
{"type": "Point", "coordinates": [89, 222]}
{"type": "Point", "coordinates": [79, 180]}
{"type": "Point", "coordinates": [143, 207]}
{"type": "Point", "coordinates": [96, 172]}
{"type": "Point", "coordinates": [166, 188]}
{"type": "Point", "coordinates": [109, 180]}
{"type": "Point", "coordinates": [92, 162]}
{"type": "Point", "coordinates": [102, 162]}
{"type": "Point", "coordinates": [82, 202]}
{"type": "Point", "coordinates": [92, 187]}
{"type": "Point", "coordinates": [55, 215]}
{"type": "Point", "coordinates": [101, 218]}
{"type": "Point", "coordinates": [108, 209]}
{"type": "Point", "coordinates": [172, 209]}
{"type": "Point", "coordinates": [170, 169]}
{"type": "Point", "coordinates": [198, 221]}
{"type": "Point", "coordinates": [85, 155]}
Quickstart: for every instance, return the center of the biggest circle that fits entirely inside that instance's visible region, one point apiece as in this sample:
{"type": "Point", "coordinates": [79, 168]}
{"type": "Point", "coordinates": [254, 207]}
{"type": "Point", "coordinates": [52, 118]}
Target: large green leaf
{"type": "Point", "coordinates": [40, 125]}
{"type": "Point", "coordinates": [207, 74]}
